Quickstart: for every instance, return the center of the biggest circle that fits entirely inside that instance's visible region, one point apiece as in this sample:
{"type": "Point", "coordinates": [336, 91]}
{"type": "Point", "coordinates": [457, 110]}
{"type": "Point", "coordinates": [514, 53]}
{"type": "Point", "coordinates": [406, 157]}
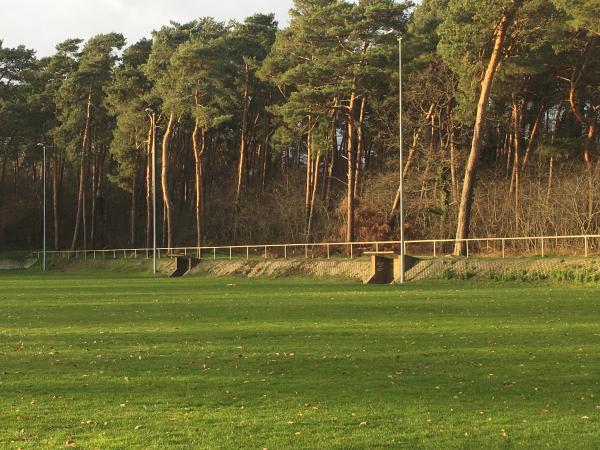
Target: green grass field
{"type": "Point", "coordinates": [127, 361]}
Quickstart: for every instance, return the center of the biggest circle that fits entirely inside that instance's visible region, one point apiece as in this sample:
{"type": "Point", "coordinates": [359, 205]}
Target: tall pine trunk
{"type": "Point", "coordinates": [360, 147]}
{"type": "Point", "coordinates": [466, 200]}
{"type": "Point", "coordinates": [245, 108]}
{"type": "Point", "coordinates": [199, 150]}
{"type": "Point", "coordinates": [517, 123]}
{"type": "Point", "coordinates": [532, 136]}
{"type": "Point", "coordinates": [97, 228]}
{"type": "Point", "coordinates": [313, 199]}
{"type": "Point", "coordinates": [94, 172]}
{"type": "Point", "coordinates": [309, 167]}
{"type": "Point", "coordinates": [589, 145]}
{"type": "Point", "coordinates": [133, 208]}
{"type": "Point", "coordinates": [82, 173]}
{"type": "Point", "coordinates": [351, 155]}
{"type": "Point", "coordinates": [55, 199]}
{"type": "Point", "coordinates": [164, 179]}
{"type": "Point", "coordinates": [551, 162]}
{"type": "Point", "coordinates": [392, 217]}
{"type": "Point", "coordinates": [149, 226]}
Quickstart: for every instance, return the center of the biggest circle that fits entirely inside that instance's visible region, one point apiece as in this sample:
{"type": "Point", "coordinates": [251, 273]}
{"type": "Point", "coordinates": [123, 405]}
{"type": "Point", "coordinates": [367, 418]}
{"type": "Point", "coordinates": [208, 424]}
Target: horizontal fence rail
{"type": "Point", "coordinates": [582, 245]}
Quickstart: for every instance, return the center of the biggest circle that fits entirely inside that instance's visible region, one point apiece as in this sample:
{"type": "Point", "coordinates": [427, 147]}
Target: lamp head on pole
{"type": "Point", "coordinates": [391, 31]}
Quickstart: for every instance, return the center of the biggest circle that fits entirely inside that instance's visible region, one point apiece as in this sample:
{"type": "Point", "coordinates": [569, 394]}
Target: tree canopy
{"type": "Point", "coordinates": [268, 134]}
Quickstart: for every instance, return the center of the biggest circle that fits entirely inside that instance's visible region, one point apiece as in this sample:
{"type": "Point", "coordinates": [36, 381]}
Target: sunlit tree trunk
{"type": "Point", "coordinates": [466, 201]}
{"type": "Point", "coordinates": [82, 173]}
{"type": "Point", "coordinates": [309, 165]}
{"type": "Point", "coordinates": [351, 155]}
{"type": "Point", "coordinates": [168, 203]}
{"type": "Point", "coordinates": [149, 187]}
{"type": "Point", "coordinates": [199, 150]}
{"type": "Point", "coordinates": [313, 200]}
{"type": "Point", "coordinates": [532, 136]}
{"type": "Point", "coordinates": [360, 147]}
{"type": "Point", "coordinates": [242, 160]}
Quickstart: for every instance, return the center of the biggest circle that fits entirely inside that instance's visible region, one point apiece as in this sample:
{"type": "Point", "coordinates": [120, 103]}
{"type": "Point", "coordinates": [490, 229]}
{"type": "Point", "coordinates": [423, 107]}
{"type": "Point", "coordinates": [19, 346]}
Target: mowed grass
{"type": "Point", "coordinates": [124, 361]}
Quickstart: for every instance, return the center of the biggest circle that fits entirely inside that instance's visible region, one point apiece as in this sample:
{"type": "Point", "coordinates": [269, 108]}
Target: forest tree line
{"type": "Point", "coordinates": [291, 135]}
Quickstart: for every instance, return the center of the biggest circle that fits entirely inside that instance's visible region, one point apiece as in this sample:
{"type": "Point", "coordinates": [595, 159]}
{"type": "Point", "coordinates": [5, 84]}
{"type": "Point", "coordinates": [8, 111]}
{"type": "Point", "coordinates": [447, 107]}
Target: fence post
{"type": "Point", "coordinates": [124, 254]}
{"type": "Point", "coordinates": [94, 254]}
{"type": "Point", "coordinates": [306, 251]}
{"type": "Point", "coordinates": [285, 251]}
{"type": "Point", "coordinates": [586, 247]}
{"type": "Point", "coordinates": [215, 253]}
{"type": "Point", "coordinates": [230, 254]}
{"type": "Point", "coordinates": [327, 251]}
{"type": "Point", "coordinates": [434, 250]}
{"type": "Point", "coordinates": [265, 252]}
{"type": "Point", "coordinates": [503, 248]}
{"type": "Point", "coordinates": [114, 254]}
{"type": "Point", "coordinates": [185, 251]}
{"type": "Point", "coordinates": [542, 239]}
{"type": "Point", "coordinates": [247, 252]}
{"type": "Point", "coordinates": [351, 251]}
{"type": "Point", "coordinates": [467, 245]}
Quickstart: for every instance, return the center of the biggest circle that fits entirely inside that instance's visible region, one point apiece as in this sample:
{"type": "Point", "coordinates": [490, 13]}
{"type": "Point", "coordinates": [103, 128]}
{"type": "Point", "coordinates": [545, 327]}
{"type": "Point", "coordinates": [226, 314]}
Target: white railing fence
{"type": "Point", "coordinates": [583, 245]}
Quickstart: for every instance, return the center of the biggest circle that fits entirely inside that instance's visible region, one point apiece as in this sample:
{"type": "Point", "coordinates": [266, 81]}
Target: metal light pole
{"type": "Point", "coordinates": [44, 207]}
{"type": "Point", "coordinates": [152, 115]}
{"type": "Point", "coordinates": [401, 208]}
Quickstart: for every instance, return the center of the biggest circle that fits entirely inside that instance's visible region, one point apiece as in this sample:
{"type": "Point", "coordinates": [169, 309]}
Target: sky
{"type": "Point", "coordinates": [41, 24]}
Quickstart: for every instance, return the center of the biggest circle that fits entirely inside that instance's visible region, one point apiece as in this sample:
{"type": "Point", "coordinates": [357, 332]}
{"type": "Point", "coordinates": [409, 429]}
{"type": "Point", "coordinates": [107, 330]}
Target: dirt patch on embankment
{"type": "Point", "coordinates": [355, 269]}
{"type": "Point", "coordinates": [17, 264]}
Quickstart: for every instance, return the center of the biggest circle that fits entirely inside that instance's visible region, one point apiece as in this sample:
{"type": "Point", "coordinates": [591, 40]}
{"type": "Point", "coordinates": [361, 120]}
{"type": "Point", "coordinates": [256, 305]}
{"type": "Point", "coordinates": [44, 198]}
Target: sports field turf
{"type": "Point", "coordinates": [123, 361]}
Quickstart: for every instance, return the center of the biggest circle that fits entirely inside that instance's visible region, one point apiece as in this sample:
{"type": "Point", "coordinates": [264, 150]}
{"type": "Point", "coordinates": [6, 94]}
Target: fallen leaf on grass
{"type": "Point", "coordinates": [70, 443]}
{"type": "Point", "coordinates": [363, 424]}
